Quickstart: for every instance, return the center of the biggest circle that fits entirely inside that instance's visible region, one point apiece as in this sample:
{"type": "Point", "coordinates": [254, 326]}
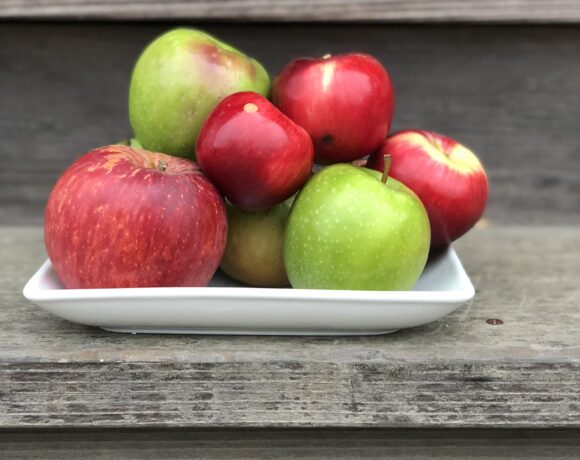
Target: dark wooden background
{"type": "Point", "coordinates": [510, 92]}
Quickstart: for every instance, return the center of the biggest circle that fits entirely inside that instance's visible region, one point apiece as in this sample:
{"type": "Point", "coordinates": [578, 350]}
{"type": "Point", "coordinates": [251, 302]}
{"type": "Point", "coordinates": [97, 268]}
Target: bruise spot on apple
{"type": "Point", "coordinates": [327, 139]}
{"type": "Point", "coordinates": [210, 51]}
{"type": "Point", "coordinates": [223, 57]}
{"type": "Point", "coordinates": [252, 74]}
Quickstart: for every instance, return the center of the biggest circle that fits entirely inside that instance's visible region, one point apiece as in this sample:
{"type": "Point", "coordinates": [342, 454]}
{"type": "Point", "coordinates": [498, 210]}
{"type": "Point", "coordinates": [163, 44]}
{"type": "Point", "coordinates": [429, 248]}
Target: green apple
{"type": "Point", "coordinates": [353, 228]}
{"type": "Point", "coordinates": [178, 79]}
{"type": "Point", "coordinates": [254, 249]}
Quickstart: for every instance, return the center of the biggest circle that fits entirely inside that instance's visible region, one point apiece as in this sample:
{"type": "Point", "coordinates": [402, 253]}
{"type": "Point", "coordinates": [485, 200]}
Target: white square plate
{"type": "Point", "coordinates": [226, 307]}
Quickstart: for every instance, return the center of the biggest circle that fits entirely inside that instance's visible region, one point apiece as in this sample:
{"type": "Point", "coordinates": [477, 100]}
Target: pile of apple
{"type": "Point", "coordinates": [275, 191]}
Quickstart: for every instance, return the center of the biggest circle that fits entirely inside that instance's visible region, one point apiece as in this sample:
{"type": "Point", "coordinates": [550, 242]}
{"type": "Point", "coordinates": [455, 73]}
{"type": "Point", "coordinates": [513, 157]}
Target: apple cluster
{"type": "Point", "coordinates": [295, 181]}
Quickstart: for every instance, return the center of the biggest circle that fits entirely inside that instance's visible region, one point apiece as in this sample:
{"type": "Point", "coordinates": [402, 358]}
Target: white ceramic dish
{"type": "Point", "coordinates": [225, 307]}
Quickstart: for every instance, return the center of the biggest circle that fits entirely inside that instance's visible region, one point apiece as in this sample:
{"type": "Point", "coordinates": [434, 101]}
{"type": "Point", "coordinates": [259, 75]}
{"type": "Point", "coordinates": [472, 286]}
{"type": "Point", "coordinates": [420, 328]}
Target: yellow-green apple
{"type": "Point", "coordinates": [353, 228]}
{"type": "Point", "coordinates": [178, 79]}
{"type": "Point", "coordinates": [447, 176]}
{"type": "Point", "coordinates": [122, 217]}
{"type": "Point", "coordinates": [345, 102]}
{"type": "Point", "coordinates": [253, 153]}
{"type": "Point", "coordinates": [255, 240]}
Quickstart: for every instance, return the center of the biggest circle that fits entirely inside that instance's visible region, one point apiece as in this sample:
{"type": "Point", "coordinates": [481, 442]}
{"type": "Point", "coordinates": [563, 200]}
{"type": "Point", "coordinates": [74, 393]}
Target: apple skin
{"type": "Point", "coordinates": [178, 79]}
{"type": "Point", "coordinates": [254, 252]}
{"type": "Point", "coordinates": [114, 219]}
{"type": "Point", "coordinates": [253, 153]}
{"type": "Point", "coordinates": [349, 230]}
{"type": "Point", "coordinates": [345, 102]}
{"type": "Point", "coordinates": [448, 178]}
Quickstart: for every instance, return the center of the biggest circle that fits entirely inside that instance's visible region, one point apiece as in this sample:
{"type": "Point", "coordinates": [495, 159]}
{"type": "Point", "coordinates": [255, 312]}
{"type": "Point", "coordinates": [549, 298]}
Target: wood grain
{"type": "Point", "coordinates": [510, 93]}
{"type": "Point", "coordinates": [457, 372]}
{"type": "Point", "coordinates": [514, 11]}
{"type": "Point", "coordinates": [407, 444]}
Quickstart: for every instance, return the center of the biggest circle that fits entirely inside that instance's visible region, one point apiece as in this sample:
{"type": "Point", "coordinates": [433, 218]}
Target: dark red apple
{"type": "Point", "coordinates": [345, 102]}
{"type": "Point", "coordinates": [448, 178]}
{"type": "Point", "coordinates": [254, 153]}
{"type": "Point", "coordinates": [122, 217]}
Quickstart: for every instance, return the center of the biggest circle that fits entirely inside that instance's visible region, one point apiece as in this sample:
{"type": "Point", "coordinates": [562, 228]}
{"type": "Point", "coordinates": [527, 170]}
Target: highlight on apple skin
{"type": "Point", "coordinates": [447, 176]}
{"type": "Point", "coordinates": [122, 218]}
{"type": "Point", "coordinates": [345, 102]}
{"type": "Point", "coordinates": [255, 155]}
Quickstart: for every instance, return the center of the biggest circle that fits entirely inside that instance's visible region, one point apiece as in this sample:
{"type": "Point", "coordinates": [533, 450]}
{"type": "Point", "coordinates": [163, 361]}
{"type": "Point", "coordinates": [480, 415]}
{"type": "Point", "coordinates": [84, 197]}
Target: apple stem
{"type": "Point", "coordinates": [162, 165]}
{"type": "Point", "coordinates": [387, 159]}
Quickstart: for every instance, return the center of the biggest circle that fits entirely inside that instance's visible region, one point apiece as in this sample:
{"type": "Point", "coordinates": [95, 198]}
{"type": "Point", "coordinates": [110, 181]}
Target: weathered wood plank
{"type": "Point", "coordinates": [562, 11]}
{"type": "Point", "coordinates": [457, 444]}
{"type": "Point", "coordinates": [445, 394]}
{"type": "Point", "coordinates": [457, 372]}
{"type": "Point", "coordinates": [512, 94]}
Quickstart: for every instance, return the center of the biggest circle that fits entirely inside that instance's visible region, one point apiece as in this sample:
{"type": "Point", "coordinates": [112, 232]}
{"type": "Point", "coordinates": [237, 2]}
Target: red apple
{"type": "Point", "coordinates": [122, 217]}
{"type": "Point", "coordinates": [254, 153]}
{"type": "Point", "coordinates": [345, 102]}
{"type": "Point", "coordinates": [447, 177]}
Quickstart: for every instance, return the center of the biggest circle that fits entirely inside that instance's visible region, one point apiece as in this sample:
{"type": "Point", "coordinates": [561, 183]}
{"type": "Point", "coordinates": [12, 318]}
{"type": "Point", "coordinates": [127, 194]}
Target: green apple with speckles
{"type": "Point", "coordinates": [178, 79]}
{"type": "Point", "coordinates": [354, 228]}
{"type": "Point", "coordinates": [253, 252]}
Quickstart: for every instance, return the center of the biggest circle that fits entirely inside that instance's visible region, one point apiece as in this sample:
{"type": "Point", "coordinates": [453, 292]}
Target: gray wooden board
{"type": "Point", "coordinates": [510, 93]}
{"type": "Point", "coordinates": [456, 372]}
{"type": "Point", "coordinates": [554, 11]}
{"type": "Point", "coordinates": [409, 444]}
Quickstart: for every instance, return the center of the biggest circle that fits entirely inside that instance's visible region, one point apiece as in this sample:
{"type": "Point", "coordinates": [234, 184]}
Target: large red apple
{"type": "Point", "coordinates": [345, 102]}
{"type": "Point", "coordinates": [254, 153]}
{"type": "Point", "coordinates": [122, 217]}
{"type": "Point", "coordinates": [448, 178]}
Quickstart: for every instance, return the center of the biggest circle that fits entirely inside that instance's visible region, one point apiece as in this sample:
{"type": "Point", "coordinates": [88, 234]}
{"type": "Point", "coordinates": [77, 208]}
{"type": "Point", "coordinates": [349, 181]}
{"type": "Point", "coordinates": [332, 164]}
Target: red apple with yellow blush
{"type": "Point", "coordinates": [447, 176]}
{"type": "Point", "coordinates": [120, 217]}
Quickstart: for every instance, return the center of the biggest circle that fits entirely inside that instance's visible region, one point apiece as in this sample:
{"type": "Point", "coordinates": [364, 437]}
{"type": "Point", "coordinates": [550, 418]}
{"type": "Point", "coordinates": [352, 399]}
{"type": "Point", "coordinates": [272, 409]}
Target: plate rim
{"type": "Point", "coordinates": [32, 293]}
